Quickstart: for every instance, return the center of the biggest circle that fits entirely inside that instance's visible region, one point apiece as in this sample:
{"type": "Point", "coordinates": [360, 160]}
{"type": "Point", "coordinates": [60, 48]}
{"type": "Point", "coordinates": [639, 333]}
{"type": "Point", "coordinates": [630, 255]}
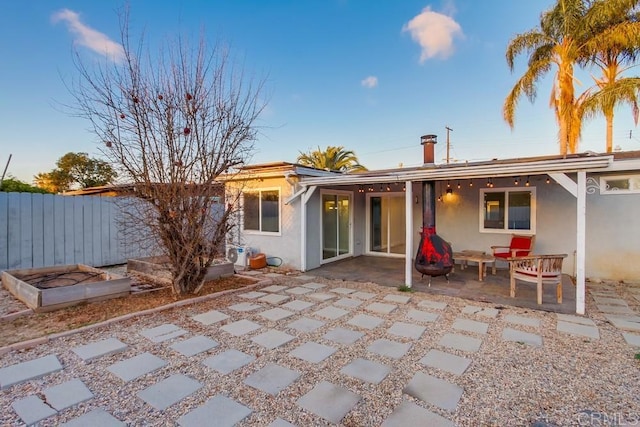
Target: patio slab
{"type": "Point", "coordinates": [29, 370]}
{"type": "Point", "coordinates": [137, 366]}
{"type": "Point", "coordinates": [330, 312]}
{"type": "Point", "coordinates": [447, 362]}
{"type": "Point", "coordinates": [279, 422]}
{"type": "Point", "coordinates": [210, 317]}
{"type": "Point", "coordinates": [348, 302]}
{"type": "Point", "coordinates": [615, 309]}
{"type": "Point", "coordinates": [460, 342]}
{"type": "Point", "coordinates": [225, 411]}
{"type": "Point", "coordinates": [575, 319]}
{"type": "Point", "coordinates": [244, 307]}
{"type": "Point", "coordinates": [578, 329]}
{"type": "Point", "coordinates": [515, 335]}
{"type": "Point", "coordinates": [410, 414]}
{"type": "Point", "coordinates": [272, 339]}
{"type": "Point", "coordinates": [169, 391]}
{"type": "Point", "coordinates": [95, 418]}
{"type": "Point", "coordinates": [67, 394]}
{"type": "Point", "coordinates": [297, 305]}
{"type": "Point", "coordinates": [276, 314]}
{"type": "Point", "coordinates": [274, 299]}
{"type": "Point", "coordinates": [304, 277]}
{"type": "Point", "coordinates": [381, 308]}
{"type": "Point", "coordinates": [434, 391]}
{"type": "Point", "coordinates": [321, 296]}
{"type": "Point", "coordinates": [343, 291]}
{"type": "Point", "coordinates": [99, 348]}
{"type": "Point", "coordinates": [241, 327]}
{"type": "Point", "coordinates": [343, 336]}
{"type": "Point", "coordinates": [163, 332]}
{"type": "Point", "coordinates": [632, 339]}
{"type": "Point", "coordinates": [365, 321]}
{"type": "Point", "coordinates": [388, 348]}
{"type": "Point", "coordinates": [399, 299]}
{"type": "Point", "coordinates": [299, 290]}
{"type": "Point", "coordinates": [629, 323]}
{"type": "Point", "coordinates": [434, 305]}
{"type": "Point", "coordinates": [329, 401]}
{"type": "Point", "coordinates": [274, 288]}
{"type": "Point", "coordinates": [228, 361]}
{"type": "Point", "coordinates": [313, 352]}
{"type": "Point", "coordinates": [194, 345]}
{"type": "Point", "coordinates": [406, 330]}
{"type": "Point", "coordinates": [422, 316]}
{"type": "Point", "coordinates": [252, 295]}
{"type": "Point", "coordinates": [313, 285]}
{"type": "Point", "coordinates": [363, 295]}
{"type": "Point", "coordinates": [32, 409]}
{"type": "Point", "coordinates": [306, 324]}
{"type": "Point", "coordinates": [481, 311]}
{"type": "Point", "coordinates": [467, 325]}
{"type": "Point", "coordinates": [366, 370]}
{"type": "Point", "coordinates": [272, 379]}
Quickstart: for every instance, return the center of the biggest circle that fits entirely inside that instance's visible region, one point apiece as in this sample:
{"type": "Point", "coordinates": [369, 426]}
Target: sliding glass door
{"type": "Point", "coordinates": [336, 226]}
{"type": "Point", "coordinates": [386, 224]}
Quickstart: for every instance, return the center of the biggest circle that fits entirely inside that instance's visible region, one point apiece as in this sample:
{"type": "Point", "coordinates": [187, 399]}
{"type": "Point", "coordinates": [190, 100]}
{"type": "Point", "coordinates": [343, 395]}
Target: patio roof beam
{"type": "Point", "coordinates": [566, 182]}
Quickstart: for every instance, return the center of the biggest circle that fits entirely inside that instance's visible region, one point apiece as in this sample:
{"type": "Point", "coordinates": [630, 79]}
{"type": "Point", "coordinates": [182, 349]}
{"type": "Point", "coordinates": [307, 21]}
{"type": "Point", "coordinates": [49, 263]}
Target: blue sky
{"type": "Point", "coordinates": [371, 76]}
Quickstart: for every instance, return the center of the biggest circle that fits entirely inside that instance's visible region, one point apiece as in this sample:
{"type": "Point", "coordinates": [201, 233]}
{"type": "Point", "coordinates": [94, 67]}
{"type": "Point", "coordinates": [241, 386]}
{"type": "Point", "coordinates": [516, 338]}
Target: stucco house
{"type": "Point", "coordinates": [585, 205]}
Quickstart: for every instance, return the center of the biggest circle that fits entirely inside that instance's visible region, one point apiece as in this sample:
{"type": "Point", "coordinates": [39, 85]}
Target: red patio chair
{"type": "Point", "coordinates": [519, 246]}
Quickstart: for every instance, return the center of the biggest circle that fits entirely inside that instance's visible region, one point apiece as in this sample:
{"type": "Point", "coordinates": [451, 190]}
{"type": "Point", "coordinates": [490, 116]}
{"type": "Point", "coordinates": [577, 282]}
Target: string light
{"type": "Point", "coordinates": [516, 181]}
{"type": "Point", "coordinates": [458, 184]}
{"type": "Point", "coordinates": [526, 184]}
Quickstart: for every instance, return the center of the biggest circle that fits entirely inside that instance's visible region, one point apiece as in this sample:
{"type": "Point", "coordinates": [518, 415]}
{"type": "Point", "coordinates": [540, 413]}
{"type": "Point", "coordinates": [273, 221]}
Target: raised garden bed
{"type": "Point", "coordinates": [157, 269]}
{"type": "Point", "coordinates": [50, 288]}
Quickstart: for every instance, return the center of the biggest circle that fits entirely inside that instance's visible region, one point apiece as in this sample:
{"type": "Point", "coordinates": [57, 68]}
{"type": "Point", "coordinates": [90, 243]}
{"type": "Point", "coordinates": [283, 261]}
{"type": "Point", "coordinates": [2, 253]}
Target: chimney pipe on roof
{"type": "Point", "coordinates": [428, 142]}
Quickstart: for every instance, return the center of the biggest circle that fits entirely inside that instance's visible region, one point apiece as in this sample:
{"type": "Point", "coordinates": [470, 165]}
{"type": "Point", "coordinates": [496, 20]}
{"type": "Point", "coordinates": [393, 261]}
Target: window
{"type": "Point", "coordinates": [507, 209]}
{"type": "Point", "coordinates": [620, 184]}
{"type": "Point", "coordinates": [261, 210]}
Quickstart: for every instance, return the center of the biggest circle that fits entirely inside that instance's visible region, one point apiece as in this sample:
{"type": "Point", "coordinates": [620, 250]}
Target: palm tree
{"type": "Point", "coordinates": [568, 35]}
{"type": "Point", "coordinates": [332, 158]}
{"type": "Point", "coordinates": [613, 61]}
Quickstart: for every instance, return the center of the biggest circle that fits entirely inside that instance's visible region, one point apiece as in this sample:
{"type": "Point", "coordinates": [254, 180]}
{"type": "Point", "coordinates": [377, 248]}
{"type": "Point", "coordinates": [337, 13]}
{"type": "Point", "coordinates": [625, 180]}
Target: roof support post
{"type": "Point", "coordinates": [305, 196]}
{"type": "Point", "coordinates": [408, 267]}
{"type": "Point", "coordinates": [581, 241]}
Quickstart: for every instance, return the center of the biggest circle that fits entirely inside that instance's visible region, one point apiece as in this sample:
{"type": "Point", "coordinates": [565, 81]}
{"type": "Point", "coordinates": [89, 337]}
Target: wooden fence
{"type": "Point", "coordinates": [38, 230]}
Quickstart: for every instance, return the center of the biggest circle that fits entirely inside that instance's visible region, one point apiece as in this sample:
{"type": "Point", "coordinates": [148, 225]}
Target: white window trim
{"type": "Point", "coordinates": [260, 232]}
{"type": "Point", "coordinates": [483, 191]}
{"type": "Point", "coordinates": [605, 191]}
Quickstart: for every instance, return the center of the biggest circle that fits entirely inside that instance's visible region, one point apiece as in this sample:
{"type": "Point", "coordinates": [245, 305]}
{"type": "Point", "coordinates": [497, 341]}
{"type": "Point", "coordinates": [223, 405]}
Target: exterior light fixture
{"type": "Point", "coordinates": [449, 190]}
{"type": "Point", "coordinates": [548, 180]}
{"type": "Point", "coordinates": [470, 183]}
{"type": "Point", "coordinates": [526, 184]}
{"type": "Point", "coordinates": [516, 181]}
{"type": "Point", "coordinates": [458, 183]}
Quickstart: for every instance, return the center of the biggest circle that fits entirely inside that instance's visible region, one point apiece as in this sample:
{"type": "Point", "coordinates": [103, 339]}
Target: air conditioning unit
{"type": "Point", "coordinates": [239, 255]}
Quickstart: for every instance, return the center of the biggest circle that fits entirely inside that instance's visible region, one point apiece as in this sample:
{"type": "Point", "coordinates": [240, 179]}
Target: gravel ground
{"type": "Point", "coordinates": [568, 381]}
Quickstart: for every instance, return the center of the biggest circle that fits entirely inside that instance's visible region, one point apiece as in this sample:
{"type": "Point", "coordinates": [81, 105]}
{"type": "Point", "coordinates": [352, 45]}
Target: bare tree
{"type": "Point", "coordinates": [172, 123]}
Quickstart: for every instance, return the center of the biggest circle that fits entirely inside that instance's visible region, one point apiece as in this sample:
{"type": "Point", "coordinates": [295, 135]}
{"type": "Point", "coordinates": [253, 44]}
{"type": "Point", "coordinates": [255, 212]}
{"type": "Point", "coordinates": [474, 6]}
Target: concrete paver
{"type": "Point", "coordinates": [276, 314]}
{"type": "Point", "coordinates": [435, 391]}
{"type": "Point", "coordinates": [274, 299]}
{"type": "Point", "coordinates": [299, 290]}
{"type": "Point", "coordinates": [279, 422]}
{"type": "Point", "coordinates": [241, 327]}
{"type": "Point", "coordinates": [163, 332]}
{"type": "Point", "coordinates": [252, 295]}
{"type": "Point", "coordinates": [329, 401]}
{"type": "Point", "coordinates": [225, 411]}
{"type": "Point", "coordinates": [632, 339]}
{"type": "Point", "coordinates": [580, 320]}
{"type": "Point", "coordinates": [313, 352]}
{"type": "Point", "coordinates": [303, 277]}
{"type": "Point", "coordinates": [32, 409]}
{"type": "Point", "coordinates": [272, 339]}
{"type": "Point", "coordinates": [366, 370]}
{"type": "Point", "coordinates": [297, 305]}
{"type": "Point", "coordinates": [194, 345]}
{"type": "Point", "coordinates": [422, 316]}
{"type": "Point", "coordinates": [245, 306]}
{"type": "Point", "coordinates": [467, 325]}
{"type": "Point", "coordinates": [343, 291]}
{"type": "Point", "coordinates": [406, 330]}
{"type": "Point", "coordinates": [169, 391]}
{"type": "Point", "coordinates": [434, 305]}
{"type": "Point", "coordinates": [578, 329]}
{"type": "Point", "coordinates": [306, 324]}
{"type": "Point", "coordinates": [628, 323]}
{"type": "Point", "coordinates": [365, 321]}
{"type": "Point", "coordinates": [460, 342]}
{"type": "Point", "coordinates": [447, 362]}
{"type": "Point", "coordinates": [348, 302]}
{"type": "Point", "coordinates": [343, 335]}
{"type": "Point", "coordinates": [515, 335]}
{"type": "Point", "coordinates": [381, 308]}
{"type": "Point", "coordinates": [67, 394]}
{"type": "Point", "coordinates": [99, 348]}
{"type": "Point", "coordinates": [388, 348]}
{"type": "Point", "coordinates": [228, 361]}
{"type": "Point", "coordinates": [330, 312]}
{"type": "Point", "coordinates": [210, 317]}
{"type": "Point", "coordinates": [399, 299]}
{"type": "Point", "coordinates": [29, 370]}
{"type": "Point", "coordinates": [95, 418]}
{"type": "Point", "coordinates": [616, 309]}
{"type": "Point", "coordinates": [272, 378]}
{"type": "Point", "coordinates": [481, 311]}
{"type": "Point", "coordinates": [410, 414]}
{"type": "Point", "coordinates": [314, 286]}
{"type": "Point", "coordinates": [274, 288]}
{"type": "Point", "coordinates": [363, 295]}
{"type": "Point", "coordinates": [321, 296]}
{"type": "Point", "coordinates": [137, 366]}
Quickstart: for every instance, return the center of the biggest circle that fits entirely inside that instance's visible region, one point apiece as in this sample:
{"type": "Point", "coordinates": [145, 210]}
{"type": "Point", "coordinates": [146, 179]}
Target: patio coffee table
{"type": "Point", "coordinates": [480, 257]}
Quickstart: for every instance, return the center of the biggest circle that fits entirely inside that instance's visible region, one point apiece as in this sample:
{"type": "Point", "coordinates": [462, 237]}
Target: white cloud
{"type": "Point", "coordinates": [370, 82]}
{"type": "Point", "coordinates": [434, 32]}
{"type": "Point", "coordinates": [88, 37]}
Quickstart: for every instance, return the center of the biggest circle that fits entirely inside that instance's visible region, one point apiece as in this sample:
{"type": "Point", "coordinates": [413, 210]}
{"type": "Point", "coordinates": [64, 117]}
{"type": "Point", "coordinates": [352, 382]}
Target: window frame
{"type": "Point", "coordinates": [506, 191]}
{"type": "Point", "coordinates": [605, 191]}
{"type": "Point", "coordinates": [259, 192]}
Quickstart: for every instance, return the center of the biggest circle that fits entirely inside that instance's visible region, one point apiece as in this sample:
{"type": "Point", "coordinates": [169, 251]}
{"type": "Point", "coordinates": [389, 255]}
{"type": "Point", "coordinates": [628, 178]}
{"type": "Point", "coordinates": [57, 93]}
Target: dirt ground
{"type": "Point", "coordinates": [36, 325]}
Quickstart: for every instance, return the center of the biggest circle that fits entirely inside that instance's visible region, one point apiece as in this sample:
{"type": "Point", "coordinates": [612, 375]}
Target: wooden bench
{"type": "Point", "coordinates": [538, 269]}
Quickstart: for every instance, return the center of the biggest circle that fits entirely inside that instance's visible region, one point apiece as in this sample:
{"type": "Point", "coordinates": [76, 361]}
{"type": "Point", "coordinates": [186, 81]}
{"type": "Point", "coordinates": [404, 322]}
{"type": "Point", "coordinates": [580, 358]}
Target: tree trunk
{"type": "Point", "coordinates": [609, 118]}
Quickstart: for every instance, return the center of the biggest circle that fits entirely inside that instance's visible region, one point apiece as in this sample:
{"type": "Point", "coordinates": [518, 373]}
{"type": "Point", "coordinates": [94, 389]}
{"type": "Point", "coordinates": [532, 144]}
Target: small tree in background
{"type": "Point", "coordinates": [172, 123]}
{"type": "Point", "coordinates": [76, 170]}
{"type": "Point", "coordinates": [14, 185]}
{"type": "Point", "coordinates": [332, 159]}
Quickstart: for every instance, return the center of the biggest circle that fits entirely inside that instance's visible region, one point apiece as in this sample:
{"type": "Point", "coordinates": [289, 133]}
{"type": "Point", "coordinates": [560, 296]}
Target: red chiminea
{"type": "Point", "coordinates": [434, 257]}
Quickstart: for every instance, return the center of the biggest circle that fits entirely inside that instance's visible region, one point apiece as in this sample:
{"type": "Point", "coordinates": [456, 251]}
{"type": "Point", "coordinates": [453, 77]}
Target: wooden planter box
{"type": "Point", "coordinates": [156, 269]}
{"type": "Point", "coordinates": [28, 286]}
